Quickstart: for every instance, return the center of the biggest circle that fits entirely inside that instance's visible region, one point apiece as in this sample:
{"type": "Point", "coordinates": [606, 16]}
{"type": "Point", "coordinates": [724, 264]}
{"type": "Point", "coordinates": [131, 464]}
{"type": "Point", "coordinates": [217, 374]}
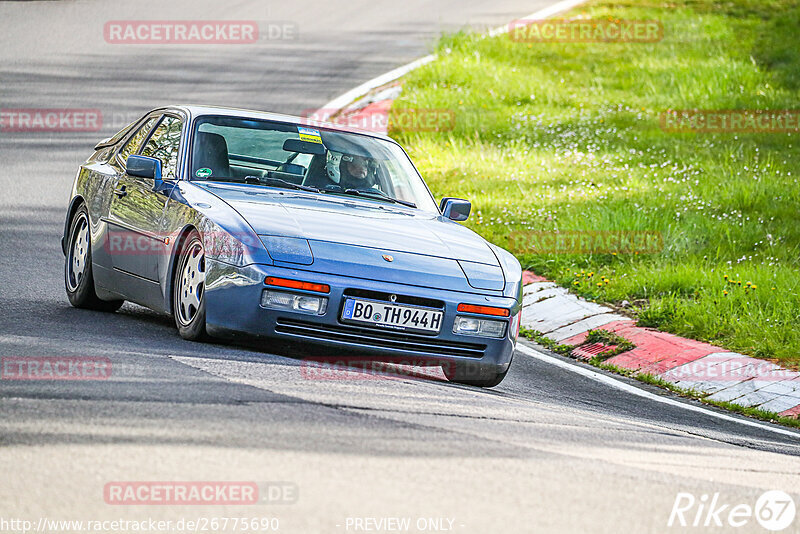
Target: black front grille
{"type": "Point", "coordinates": [368, 338]}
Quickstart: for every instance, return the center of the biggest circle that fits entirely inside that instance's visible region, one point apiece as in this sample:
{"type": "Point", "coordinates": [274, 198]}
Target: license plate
{"type": "Point", "coordinates": [392, 315]}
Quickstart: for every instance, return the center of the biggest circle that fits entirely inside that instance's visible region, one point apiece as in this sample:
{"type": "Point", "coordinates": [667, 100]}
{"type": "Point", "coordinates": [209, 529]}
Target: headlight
{"type": "Point", "coordinates": [283, 300]}
{"type": "Point", "coordinates": [472, 326]}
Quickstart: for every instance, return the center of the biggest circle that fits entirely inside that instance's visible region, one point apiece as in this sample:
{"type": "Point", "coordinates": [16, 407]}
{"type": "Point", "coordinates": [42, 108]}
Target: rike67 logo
{"type": "Point", "coordinates": [774, 510]}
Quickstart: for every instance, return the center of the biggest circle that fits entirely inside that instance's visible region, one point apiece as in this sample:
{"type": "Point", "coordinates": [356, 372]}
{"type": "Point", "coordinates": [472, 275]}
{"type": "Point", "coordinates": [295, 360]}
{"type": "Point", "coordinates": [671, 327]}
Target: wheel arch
{"type": "Point", "coordinates": [173, 263]}
{"type": "Point", "coordinates": [74, 205]}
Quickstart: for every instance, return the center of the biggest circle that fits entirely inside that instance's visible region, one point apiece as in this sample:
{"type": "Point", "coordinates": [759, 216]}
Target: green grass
{"type": "Point", "coordinates": [566, 137]}
{"type": "Point", "coordinates": [608, 338]}
{"type": "Point", "coordinates": [538, 337]}
{"type": "Point", "coordinates": [764, 415]}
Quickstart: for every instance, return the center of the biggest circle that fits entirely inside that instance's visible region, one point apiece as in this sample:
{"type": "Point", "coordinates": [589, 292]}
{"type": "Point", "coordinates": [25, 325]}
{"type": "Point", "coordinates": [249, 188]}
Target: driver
{"type": "Point", "coordinates": [356, 172]}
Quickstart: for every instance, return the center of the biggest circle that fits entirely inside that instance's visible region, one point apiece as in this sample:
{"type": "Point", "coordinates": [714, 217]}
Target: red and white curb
{"type": "Point", "coordinates": [705, 369]}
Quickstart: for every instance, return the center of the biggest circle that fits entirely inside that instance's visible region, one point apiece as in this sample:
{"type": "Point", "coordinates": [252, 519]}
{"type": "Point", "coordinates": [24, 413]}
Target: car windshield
{"type": "Point", "coordinates": [274, 154]}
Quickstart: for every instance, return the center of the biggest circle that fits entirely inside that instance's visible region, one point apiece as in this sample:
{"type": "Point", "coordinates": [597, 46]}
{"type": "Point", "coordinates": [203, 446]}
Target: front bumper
{"type": "Point", "coordinates": [233, 306]}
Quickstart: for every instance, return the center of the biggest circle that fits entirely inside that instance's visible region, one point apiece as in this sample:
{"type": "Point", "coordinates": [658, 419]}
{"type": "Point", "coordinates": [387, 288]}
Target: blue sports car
{"type": "Point", "coordinates": [243, 222]}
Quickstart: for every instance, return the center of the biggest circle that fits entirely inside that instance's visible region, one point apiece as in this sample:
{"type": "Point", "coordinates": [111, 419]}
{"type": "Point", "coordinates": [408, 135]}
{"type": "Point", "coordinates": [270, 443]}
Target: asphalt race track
{"type": "Point", "coordinates": [549, 450]}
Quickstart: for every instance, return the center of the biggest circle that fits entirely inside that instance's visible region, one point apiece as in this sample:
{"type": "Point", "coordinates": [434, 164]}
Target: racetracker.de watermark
{"type": "Point", "coordinates": [50, 120]}
{"type": "Point", "coordinates": [727, 369]}
{"type": "Point", "coordinates": [54, 368]}
{"type": "Point", "coordinates": [585, 31]}
{"type": "Point", "coordinates": [215, 243]}
{"type": "Point", "coordinates": [197, 31]}
{"type": "Point", "coordinates": [189, 493]}
{"type": "Point", "coordinates": [586, 242]}
{"type": "Point", "coordinates": [382, 119]}
{"type": "Point", "coordinates": [356, 368]}
{"type": "Point", "coordinates": [730, 121]}
{"type": "Point", "coordinates": [215, 524]}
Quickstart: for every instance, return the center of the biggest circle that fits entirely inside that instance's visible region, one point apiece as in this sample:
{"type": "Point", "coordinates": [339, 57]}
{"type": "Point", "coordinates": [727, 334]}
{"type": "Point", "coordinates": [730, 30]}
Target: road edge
{"type": "Point", "coordinates": [611, 381]}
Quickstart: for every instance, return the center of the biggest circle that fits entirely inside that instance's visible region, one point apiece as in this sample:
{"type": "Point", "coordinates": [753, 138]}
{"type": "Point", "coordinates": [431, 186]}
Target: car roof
{"type": "Point", "coordinates": [194, 111]}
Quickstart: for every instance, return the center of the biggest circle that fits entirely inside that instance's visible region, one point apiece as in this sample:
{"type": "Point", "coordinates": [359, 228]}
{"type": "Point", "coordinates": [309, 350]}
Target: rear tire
{"type": "Point", "coordinates": [78, 277]}
{"type": "Point", "coordinates": [189, 290]}
{"type": "Point", "coordinates": [473, 374]}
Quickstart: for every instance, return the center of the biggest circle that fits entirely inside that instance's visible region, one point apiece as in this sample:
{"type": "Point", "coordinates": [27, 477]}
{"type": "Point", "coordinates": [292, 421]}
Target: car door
{"type": "Point", "coordinates": [137, 207]}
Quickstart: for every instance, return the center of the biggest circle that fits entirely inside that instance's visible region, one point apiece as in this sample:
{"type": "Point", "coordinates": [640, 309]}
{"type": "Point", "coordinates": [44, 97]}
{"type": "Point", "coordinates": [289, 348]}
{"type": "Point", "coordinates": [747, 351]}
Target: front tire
{"type": "Point", "coordinates": [78, 277]}
{"type": "Point", "coordinates": [188, 290]}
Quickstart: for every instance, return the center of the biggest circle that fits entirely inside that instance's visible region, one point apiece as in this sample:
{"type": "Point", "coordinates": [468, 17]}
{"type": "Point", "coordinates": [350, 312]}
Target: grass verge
{"type": "Point", "coordinates": [561, 137]}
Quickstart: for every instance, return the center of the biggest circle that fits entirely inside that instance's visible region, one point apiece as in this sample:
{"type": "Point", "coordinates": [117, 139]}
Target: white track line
{"type": "Point", "coordinates": [353, 94]}
{"type": "Point", "coordinates": [613, 382]}
{"type": "Point", "coordinates": [350, 96]}
{"type": "Point", "coordinates": [543, 13]}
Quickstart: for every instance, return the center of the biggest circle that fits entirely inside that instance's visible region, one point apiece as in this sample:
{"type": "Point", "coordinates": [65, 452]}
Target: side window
{"type": "Point", "coordinates": [133, 144]}
{"type": "Point", "coordinates": [163, 144]}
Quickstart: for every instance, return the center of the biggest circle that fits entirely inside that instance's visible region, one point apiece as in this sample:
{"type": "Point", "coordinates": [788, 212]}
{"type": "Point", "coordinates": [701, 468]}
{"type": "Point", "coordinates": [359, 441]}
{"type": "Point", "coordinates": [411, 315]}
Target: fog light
{"type": "Point", "coordinates": [473, 326]}
{"type": "Point", "coordinates": [309, 304]}
{"type": "Point", "coordinates": [281, 300]}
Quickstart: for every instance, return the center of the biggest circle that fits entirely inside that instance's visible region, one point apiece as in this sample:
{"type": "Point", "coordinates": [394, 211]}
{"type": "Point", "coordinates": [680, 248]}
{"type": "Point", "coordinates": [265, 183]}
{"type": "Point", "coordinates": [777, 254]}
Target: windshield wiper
{"type": "Point", "coordinates": [278, 182]}
{"type": "Point", "coordinates": [375, 193]}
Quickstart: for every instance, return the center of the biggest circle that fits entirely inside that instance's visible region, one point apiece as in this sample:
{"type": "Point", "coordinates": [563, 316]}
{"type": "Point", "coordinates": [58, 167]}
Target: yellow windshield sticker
{"type": "Point", "coordinates": [309, 134]}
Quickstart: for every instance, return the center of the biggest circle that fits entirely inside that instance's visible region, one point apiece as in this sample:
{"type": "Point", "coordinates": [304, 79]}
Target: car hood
{"type": "Point", "coordinates": [353, 221]}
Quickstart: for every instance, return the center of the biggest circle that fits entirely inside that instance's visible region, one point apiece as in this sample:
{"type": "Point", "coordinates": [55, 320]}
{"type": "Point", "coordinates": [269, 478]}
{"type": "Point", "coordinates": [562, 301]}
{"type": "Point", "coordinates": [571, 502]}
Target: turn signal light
{"type": "Point", "coordinates": [484, 310]}
{"type": "Point", "coordinates": [297, 284]}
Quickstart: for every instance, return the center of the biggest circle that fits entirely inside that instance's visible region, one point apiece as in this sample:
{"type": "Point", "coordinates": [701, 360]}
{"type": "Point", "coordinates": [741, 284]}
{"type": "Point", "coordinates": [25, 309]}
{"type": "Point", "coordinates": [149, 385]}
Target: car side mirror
{"type": "Point", "coordinates": [456, 209]}
{"type": "Point", "coordinates": [145, 167]}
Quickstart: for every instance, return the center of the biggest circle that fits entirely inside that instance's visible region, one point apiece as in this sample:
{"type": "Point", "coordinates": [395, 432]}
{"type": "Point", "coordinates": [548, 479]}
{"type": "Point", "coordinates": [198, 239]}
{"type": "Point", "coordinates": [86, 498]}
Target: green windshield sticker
{"type": "Point", "coordinates": [205, 172]}
{"type": "Point", "coordinates": [309, 134]}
